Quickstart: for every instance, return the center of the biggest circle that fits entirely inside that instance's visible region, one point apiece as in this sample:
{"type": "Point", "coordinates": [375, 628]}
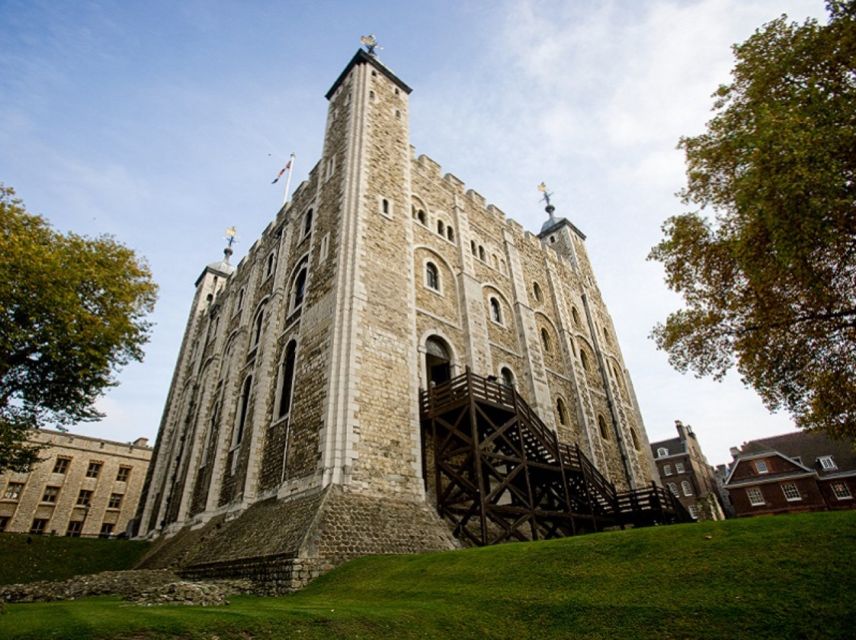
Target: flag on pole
{"type": "Point", "coordinates": [283, 170]}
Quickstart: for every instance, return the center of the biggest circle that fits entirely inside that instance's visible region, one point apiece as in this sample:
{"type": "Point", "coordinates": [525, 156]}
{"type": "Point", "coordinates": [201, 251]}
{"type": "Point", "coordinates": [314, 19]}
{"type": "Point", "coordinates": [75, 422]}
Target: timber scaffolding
{"type": "Point", "coordinates": [498, 473]}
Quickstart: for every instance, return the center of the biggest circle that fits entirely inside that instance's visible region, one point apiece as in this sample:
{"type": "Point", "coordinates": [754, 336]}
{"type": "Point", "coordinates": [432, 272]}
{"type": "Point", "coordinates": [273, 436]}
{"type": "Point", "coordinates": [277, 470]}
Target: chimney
{"type": "Point", "coordinates": [141, 442]}
{"type": "Point", "coordinates": [734, 451]}
{"type": "Point", "coordinates": [682, 430]}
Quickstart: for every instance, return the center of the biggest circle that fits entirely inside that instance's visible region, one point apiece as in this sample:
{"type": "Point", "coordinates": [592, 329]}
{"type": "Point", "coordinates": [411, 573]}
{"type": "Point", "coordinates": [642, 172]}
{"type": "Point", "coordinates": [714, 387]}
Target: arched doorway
{"type": "Point", "coordinates": [438, 357]}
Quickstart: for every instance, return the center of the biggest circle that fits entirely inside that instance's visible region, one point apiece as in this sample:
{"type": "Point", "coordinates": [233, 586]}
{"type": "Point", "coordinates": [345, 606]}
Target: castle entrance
{"type": "Point", "coordinates": [438, 366]}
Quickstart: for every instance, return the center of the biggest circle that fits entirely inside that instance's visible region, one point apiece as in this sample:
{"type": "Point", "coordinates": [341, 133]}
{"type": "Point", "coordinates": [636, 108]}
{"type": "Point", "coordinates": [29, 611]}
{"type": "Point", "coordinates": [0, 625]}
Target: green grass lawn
{"type": "Point", "coordinates": [58, 557]}
{"type": "Point", "coordinates": [774, 577]}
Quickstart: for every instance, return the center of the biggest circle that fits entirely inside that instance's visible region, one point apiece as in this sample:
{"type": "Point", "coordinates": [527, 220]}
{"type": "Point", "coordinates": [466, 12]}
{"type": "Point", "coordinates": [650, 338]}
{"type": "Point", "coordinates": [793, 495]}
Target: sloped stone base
{"type": "Point", "coordinates": [283, 544]}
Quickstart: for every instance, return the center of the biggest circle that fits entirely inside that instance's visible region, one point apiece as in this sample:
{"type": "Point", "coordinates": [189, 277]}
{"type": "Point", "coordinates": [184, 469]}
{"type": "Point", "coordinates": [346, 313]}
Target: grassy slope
{"type": "Point", "coordinates": [782, 577]}
{"type": "Point", "coordinates": [58, 558]}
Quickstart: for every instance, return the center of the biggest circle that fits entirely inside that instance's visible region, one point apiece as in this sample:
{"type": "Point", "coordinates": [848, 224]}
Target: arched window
{"type": "Point", "coordinates": [536, 291]}
{"type": "Point", "coordinates": [239, 303]}
{"type": "Point", "coordinates": [286, 379]}
{"type": "Point", "coordinates": [473, 247]}
{"type": "Point", "coordinates": [481, 253]}
{"type": "Point", "coordinates": [545, 340]}
{"type": "Point", "coordinates": [450, 234]}
{"type": "Point", "coordinates": [561, 411]}
{"type": "Point", "coordinates": [575, 316]}
{"type": "Point", "coordinates": [420, 215]}
{"type": "Point", "coordinates": [584, 359]}
{"type": "Point", "coordinates": [634, 438]}
{"type": "Point", "coordinates": [257, 326]}
{"type": "Point", "coordinates": [242, 411]}
{"type": "Point", "coordinates": [674, 489]}
{"type": "Point", "coordinates": [298, 289]}
{"type": "Point", "coordinates": [495, 311]}
{"type": "Point", "coordinates": [432, 277]}
{"type": "Point", "coordinates": [605, 335]}
{"type": "Point", "coordinates": [686, 487]}
{"type": "Point", "coordinates": [271, 260]}
{"type": "Point", "coordinates": [662, 452]}
{"type": "Point", "coordinates": [441, 228]}
{"type": "Point", "coordinates": [384, 206]}
{"type": "Point", "coordinates": [307, 223]}
{"type": "Point", "coordinates": [601, 425]}
{"type": "Point", "coordinates": [507, 376]}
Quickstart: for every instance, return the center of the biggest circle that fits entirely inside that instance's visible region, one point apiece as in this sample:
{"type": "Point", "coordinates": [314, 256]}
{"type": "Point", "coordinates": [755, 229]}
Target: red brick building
{"type": "Point", "coordinates": [793, 472]}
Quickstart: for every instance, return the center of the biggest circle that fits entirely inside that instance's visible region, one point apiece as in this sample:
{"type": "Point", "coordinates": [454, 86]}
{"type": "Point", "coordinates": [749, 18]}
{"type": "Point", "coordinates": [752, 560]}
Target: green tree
{"type": "Point", "coordinates": [72, 311]}
{"type": "Point", "coordinates": [770, 283]}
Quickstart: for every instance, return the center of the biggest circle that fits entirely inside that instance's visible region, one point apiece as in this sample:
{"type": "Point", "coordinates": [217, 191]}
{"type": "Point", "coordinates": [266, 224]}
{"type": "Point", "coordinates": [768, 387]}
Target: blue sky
{"type": "Point", "coordinates": [163, 123]}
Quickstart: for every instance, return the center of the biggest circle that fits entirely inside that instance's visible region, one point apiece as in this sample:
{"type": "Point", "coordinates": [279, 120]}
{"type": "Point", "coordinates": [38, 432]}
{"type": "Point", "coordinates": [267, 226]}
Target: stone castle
{"type": "Point", "coordinates": [291, 435]}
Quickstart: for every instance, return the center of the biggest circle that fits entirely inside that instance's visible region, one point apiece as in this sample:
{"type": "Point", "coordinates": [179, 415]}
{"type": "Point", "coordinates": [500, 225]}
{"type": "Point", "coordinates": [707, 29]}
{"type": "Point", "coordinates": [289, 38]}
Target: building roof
{"type": "Point", "coordinates": [359, 57]}
{"type": "Point", "coordinates": [554, 224]}
{"type": "Point", "coordinates": [674, 445]}
{"type": "Point", "coordinates": [808, 446]}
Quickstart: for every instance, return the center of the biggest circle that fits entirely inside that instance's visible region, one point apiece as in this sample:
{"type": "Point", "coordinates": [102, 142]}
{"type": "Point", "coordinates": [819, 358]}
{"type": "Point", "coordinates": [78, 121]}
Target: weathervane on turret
{"type": "Point", "coordinates": [370, 43]}
{"type": "Point", "coordinates": [230, 238]}
{"type": "Point", "coordinates": [547, 195]}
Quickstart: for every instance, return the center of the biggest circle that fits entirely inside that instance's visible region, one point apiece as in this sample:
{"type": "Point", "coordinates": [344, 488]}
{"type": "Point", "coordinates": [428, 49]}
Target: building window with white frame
{"type": "Point", "coordinates": [667, 469]}
{"type": "Point", "coordinates": [674, 489]}
{"type": "Point", "coordinates": [827, 463]}
{"type": "Point", "coordinates": [693, 509]}
{"type": "Point", "coordinates": [495, 311]}
{"type": "Point", "coordinates": [792, 494]}
{"type": "Point", "coordinates": [679, 467]}
{"type": "Point", "coordinates": [761, 467]}
{"type": "Point", "coordinates": [432, 276]}
{"type": "Point", "coordinates": [662, 452]}
{"type": "Point", "coordinates": [756, 497]}
{"type": "Point", "coordinates": [841, 491]}
{"type": "Point", "coordinates": [686, 487]}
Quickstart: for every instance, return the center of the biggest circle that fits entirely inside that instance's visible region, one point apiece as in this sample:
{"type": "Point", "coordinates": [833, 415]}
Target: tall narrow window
{"type": "Point", "coordinates": [601, 425]}
{"type": "Point", "coordinates": [495, 311]}
{"type": "Point", "coordinates": [575, 316]}
{"type": "Point", "coordinates": [441, 228]}
{"type": "Point", "coordinates": [561, 411]}
{"type": "Point", "coordinates": [635, 438]}
{"type": "Point", "coordinates": [584, 360]}
{"type": "Point", "coordinates": [271, 260]}
{"type": "Point", "coordinates": [298, 290]}
{"type": "Point", "coordinates": [242, 410]}
{"type": "Point", "coordinates": [420, 215]}
{"type": "Point", "coordinates": [239, 304]}
{"type": "Point", "coordinates": [473, 247]}
{"type": "Point", "coordinates": [545, 340]}
{"type": "Point", "coordinates": [536, 291]}
{"type": "Point", "coordinates": [287, 379]}
{"type": "Point", "coordinates": [307, 223]}
{"type": "Point", "coordinates": [257, 327]}
{"type": "Point", "coordinates": [432, 277]}
{"type": "Point", "coordinates": [481, 253]}
{"type": "Point", "coordinates": [450, 234]}
{"type": "Point", "coordinates": [686, 487]}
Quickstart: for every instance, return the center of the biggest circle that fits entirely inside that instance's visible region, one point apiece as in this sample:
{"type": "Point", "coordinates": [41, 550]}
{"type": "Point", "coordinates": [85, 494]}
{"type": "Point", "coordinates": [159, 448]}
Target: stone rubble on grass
{"type": "Point", "coordinates": [149, 586]}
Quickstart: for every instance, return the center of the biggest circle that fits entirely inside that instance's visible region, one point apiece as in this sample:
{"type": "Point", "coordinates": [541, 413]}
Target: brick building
{"type": "Point", "coordinates": [687, 474]}
{"type": "Point", "coordinates": [296, 391]}
{"type": "Point", "coordinates": [81, 486]}
{"type": "Point", "coordinates": [802, 471]}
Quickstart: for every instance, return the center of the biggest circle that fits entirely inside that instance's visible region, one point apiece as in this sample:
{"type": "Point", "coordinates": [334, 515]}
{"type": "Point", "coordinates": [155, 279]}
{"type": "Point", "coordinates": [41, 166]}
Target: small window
{"type": "Point", "coordinates": [507, 377]}
{"type": "Point", "coordinates": [662, 452]}
{"type": "Point", "coordinates": [84, 498]}
{"type": "Point", "coordinates": [679, 467]}
{"type": "Point", "coordinates": [307, 223]}
{"type": "Point", "coordinates": [61, 465]}
{"type": "Point", "coordinates": [94, 470]}
{"type": "Point", "coordinates": [38, 526]}
{"type": "Point", "coordinates": [545, 340]}
{"type": "Point", "coordinates": [287, 378]}
{"type": "Point", "coordinates": [384, 207]}
{"type": "Point", "coordinates": [115, 501]}
{"type": "Point", "coordinates": [50, 494]}
{"type": "Point", "coordinates": [827, 463]}
{"type": "Point", "coordinates": [481, 253]}
{"type": "Point", "coordinates": [441, 228]}
{"type": "Point", "coordinates": [601, 425]}
{"type": "Point", "coordinates": [450, 234]}
{"type": "Point", "coordinates": [423, 219]}
{"type": "Point", "coordinates": [575, 316]}
{"type": "Point", "coordinates": [552, 239]}
{"type": "Point", "coordinates": [674, 489]}
{"type": "Point", "coordinates": [123, 474]}
{"type": "Point", "coordinates": [298, 289]}
{"type": "Point", "coordinates": [536, 291]}
{"type": "Point", "coordinates": [271, 260]}
{"type": "Point", "coordinates": [792, 494]}
{"type": "Point", "coordinates": [325, 247]}
{"type": "Point", "coordinates": [605, 336]}
{"type": "Point", "coordinates": [239, 303]}
{"type": "Point", "coordinates": [257, 327]}
{"type": "Point", "coordinates": [74, 528]}
{"type": "Point", "coordinates": [693, 509]}
{"type": "Point", "coordinates": [686, 487]}
{"type": "Point", "coordinates": [242, 411]}
{"type": "Point", "coordinates": [841, 491]}
{"type": "Point", "coordinates": [761, 466]}
{"type": "Point", "coordinates": [667, 469]}
{"type": "Point", "coordinates": [561, 411]}
{"type": "Point", "coordinates": [106, 530]}
{"type": "Point", "coordinates": [432, 277]}
{"type": "Point", "coordinates": [756, 498]}
{"type": "Point", "coordinates": [495, 311]}
{"type": "Point", "coordinates": [13, 491]}
{"type": "Point", "coordinates": [584, 360]}
{"type": "Point", "coordinates": [473, 247]}
{"type": "Point", "coordinates": [635, 438]}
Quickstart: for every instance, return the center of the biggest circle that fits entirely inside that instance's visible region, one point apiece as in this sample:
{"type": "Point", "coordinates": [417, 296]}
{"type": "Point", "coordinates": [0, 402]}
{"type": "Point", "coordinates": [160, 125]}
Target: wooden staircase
{"type": "Point", "coordinates": [498, 473]}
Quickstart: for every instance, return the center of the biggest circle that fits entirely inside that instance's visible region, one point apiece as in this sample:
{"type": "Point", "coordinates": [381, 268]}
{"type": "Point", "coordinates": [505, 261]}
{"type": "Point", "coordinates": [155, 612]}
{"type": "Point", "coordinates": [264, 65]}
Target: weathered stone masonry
{"type": "Point", "coordinates": [291, 431]}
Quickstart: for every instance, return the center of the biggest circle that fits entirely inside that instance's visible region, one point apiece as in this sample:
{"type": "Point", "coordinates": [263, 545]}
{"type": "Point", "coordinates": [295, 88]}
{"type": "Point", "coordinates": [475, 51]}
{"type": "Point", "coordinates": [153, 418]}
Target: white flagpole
{"type": "Point", "coordinates": [288, 180]}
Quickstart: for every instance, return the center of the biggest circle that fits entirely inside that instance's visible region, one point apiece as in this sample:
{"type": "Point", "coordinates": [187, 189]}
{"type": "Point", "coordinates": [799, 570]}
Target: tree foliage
{"type": "Point", "coordinates": [72, 312]}
{"type": "Point", "coordinates": [770, 282]}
